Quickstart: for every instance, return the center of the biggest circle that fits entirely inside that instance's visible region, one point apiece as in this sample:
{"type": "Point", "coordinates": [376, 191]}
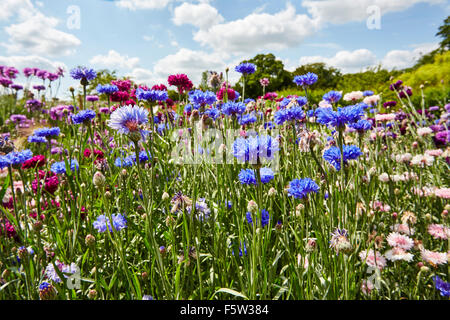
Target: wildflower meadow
{"type": "Point", "coordinates": [172, 191]}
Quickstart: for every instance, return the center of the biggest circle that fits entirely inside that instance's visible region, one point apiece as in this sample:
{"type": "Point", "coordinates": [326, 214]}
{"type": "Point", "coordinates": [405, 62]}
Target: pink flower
{"type": "Point", "coordinates": [434, 153]}
{"type": "Point", "coordinates": [373, 260]}
{"type": "Point", "coordinates": [398, 240]}
{"type": "Point", "coordinates": [424, 131]}
{"type": "Point", "coordinates": [442, 193]}
{"type": "Point", "coordinates": [434, 258]}
{"type": "Point", "coordinates": [396, 254]}
{"type": "Point", "coordinates": [385, 117]}
{"type": "Point", "coordinates": [403, 228]}
{"type": "Point", "coordinates": [438, 231]}
{"type": "Point", "coordinates": [264, 82]}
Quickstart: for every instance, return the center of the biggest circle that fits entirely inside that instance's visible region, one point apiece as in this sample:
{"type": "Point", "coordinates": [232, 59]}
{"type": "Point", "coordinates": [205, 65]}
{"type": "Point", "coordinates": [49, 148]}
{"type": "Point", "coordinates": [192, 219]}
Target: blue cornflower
{"type": "Point", "coordinates": [15, 158]}
{"type": "Point", "coordinates": [299, 188]}
{"type": "Point", "coordinates": [332, 96]}
{"type": "Point", "coordinates": [83, 73]}
{"type": "Point", "coordinates": [123, 162]}
{"type": "Point", "coordinates": [47, 291]}
{"type": "Point", "coordinates": [306, 79]}
{"type": "Point", "coordinates": [188, 108]}
{"type": "Point", "coordinates": [103, 223]}
{"type": "Point", "coordinates": [200, 98]}
{"type": "Point", "coordinates": [213, 113]}
{"type": "Point", "coordinates": [361, 125]}
{"type": "Point", "coordinates": [47, 132]}
{"type": "Point", "coordinates": [248, 100]}
{"type": "Point", "coordinates": [265, 217]}
{"type": "Point", "coordinates": [60, 167]}
{"type": "Point", "coordinates": [333, 155]}
{"type": "Point", "coordinates": [291, 114]}
{"type": "Point", "coordinates": [37, 139]}
{"type": "Point", "coordinates": [233, 108]}
{"type": "Point", "coordinates": [345, 115]}
{"type": "Point", "coordinates": [254, 149]}
{"type": "Point", "coordinates": [298, 101]}
{"type": "Point", "coordinates": [368, 93]}
{"type": "Point", "coordinates": [147, 297]}
{"type": "Point", "coordinates": [153, 95]}
{"type": "Point", "coordinates": [269, 125]}
{"type": "Point", "coordinates": [128, 119]}
{"type": "Point", "coordinates": [143, 156]}
{"type": "Point", "coordinates": [229, 205]}
{"type": "Point", "coordinates": [442, 286]}
{"type": "Point", "coordinates": [246, 68]}
{"type": "Point", "coordinates": [247, 176]}
{"type": "Point", "coordinates": [107, 89]}
{"type": "Point", "coordinates": [84, 116]}
{"type": "Point", "coordinates": [247, 119]}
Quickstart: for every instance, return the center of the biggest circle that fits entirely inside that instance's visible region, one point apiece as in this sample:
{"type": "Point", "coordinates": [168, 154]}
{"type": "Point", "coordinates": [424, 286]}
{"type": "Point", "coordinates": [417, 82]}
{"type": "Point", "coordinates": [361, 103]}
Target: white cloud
{"type": "Point", "coordinates": [401, 59]}
{"type": "Point", "coordinates": [358, 60]}
{"type": "Point", "coordinates": [258, 31]}
{"type": "Point", "coordinates": [343, 11]}
{"type": "Point", "coordinates": [35, 33]}
{"type": "Point", "coordinates": [190, 62]}
{"type": "Point", "coordinates": [12, 7]}
{"type": "Point", "coordinates": [114, 60]}
{"type": "Point", "coordinates": [31, 61]}
{"type": "Point", "coordinates": [347, 61]}
{"type": "Point", "coordinates": [142, 4]}
{"type": "Point", "coordinates": [201, 15]}
{"type": "Point", "coordinates": [141, 75]}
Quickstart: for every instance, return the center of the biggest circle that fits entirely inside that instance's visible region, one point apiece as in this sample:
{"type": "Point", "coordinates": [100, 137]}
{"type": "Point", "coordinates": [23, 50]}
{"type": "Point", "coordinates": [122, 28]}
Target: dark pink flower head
{"type": "Point", "coordinates": [159, 87]}
{"type": "Point", "coordinates": [41, 74]}
{"type": "Point", "coordinates": [5, 82]}
{"type": "Point", "coordinates": [181, 81]}
{"type": "Point", "coordinates": [28, 72]}
{"type": "Point", "coordinates": [35, 162]}
{"type": "Point", "coordinates": [120, 96]}
{"type": "Point", "coordinates": [123, 85]}
{"type": "Point", "coordinates": [52, 76]}
{"type": "Point", "coordinates": [10, 72]}
{"type": "Point", "coordinates": [60, 72]}
{"type": "Point", "coordinates": [270, 96]}
{"type": "Point", "coordinates": [7, 228]}
{"type": "Point", "coordinates": [221, 93]}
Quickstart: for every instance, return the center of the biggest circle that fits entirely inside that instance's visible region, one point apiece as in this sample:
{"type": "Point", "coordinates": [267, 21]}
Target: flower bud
{"type": "Point", "coordinates": [99, 179]}
{"type": "Point", "coordinates": [165, 196]}
{"type": "Point", "coordinates": [92, 294]}
{"type": "Point", "coordinates": [272, 192]}
{"type": "Point", "coordinates": [252, 206]}
{"type": "Point", "coordinates": [90, 240]}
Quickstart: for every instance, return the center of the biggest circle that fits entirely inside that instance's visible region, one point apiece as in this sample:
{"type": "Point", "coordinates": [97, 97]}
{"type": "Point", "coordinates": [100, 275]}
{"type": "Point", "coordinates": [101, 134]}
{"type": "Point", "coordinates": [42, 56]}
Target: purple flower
{"type": "Point", "coordinates": [246, 68]}
{"type": "Point", "coordinates": [306, 79]}
{"type": "Point", "coordinates": [83, 73]}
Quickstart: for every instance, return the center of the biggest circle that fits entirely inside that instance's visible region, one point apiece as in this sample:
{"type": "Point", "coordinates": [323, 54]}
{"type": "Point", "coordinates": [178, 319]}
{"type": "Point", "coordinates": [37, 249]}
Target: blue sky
{"type": "Point", "coordinates": [151, 39]}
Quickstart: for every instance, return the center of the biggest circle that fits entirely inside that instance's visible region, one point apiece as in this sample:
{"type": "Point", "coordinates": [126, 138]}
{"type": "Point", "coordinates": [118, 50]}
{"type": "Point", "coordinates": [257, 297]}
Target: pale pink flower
{"type": "Point", "coordinates": [325, 104]}
{"type": "Point", "coordinates": [442, 193]}
{"type": "Point", "coordinates": [384, 177]}
{"type": "Point", "coordinates": [398, 240]}
{"type": "Point", "coordinates": [434, 258]}
{"type": "Point", "coordinates": [396, 254]}
{"type": "Point", "coordinates": [374, 260]}
{"type": "Point", "coordinates": [372, 100]}
{"type": "Point", "coordinates": [385, 117]}
{"type": "Point", "coordinates": [438, 231]}
{"type": "Point", "coordinates": [422, 160]}
{"type": "Point", "coordinates": [406, 157]}
{"type": "Point", "coordinates": [353, 96]}
{"type": "Point", "coordinates": [425, 192]}
{"type": "Point", "coordinates": [424, 131]}
{"type": "Point", "coordinates": [403, 228]}
{"type": "Point", "coordinates": [367, 286]}
{"type": "Point", "coordinates": [434, 153]}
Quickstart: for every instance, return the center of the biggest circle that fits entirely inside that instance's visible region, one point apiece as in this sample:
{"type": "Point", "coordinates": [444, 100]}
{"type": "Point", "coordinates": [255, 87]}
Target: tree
{"type": "Point", "coordinates": [328, 76]}
{"type": "Point", "coordinates": [444, 33]}
{"type": "Point", "coordinates": [267, 66]}
{"type": "Point", "coordinates": [104, 76]}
